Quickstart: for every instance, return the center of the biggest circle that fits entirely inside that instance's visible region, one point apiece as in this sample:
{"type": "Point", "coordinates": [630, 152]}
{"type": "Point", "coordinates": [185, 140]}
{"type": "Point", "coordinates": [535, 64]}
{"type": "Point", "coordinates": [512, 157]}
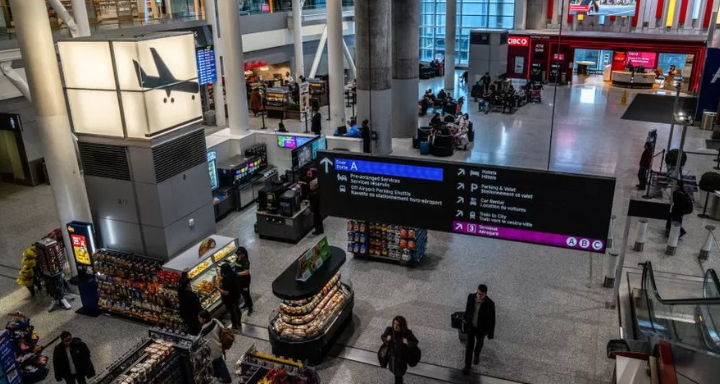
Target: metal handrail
{"type": "Point", "coordinates": [648, 273]}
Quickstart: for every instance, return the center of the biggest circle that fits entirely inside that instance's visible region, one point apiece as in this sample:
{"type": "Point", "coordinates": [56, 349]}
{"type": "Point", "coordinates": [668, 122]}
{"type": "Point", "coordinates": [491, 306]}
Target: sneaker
{"type": "Point", "coordinates": [476, 360]}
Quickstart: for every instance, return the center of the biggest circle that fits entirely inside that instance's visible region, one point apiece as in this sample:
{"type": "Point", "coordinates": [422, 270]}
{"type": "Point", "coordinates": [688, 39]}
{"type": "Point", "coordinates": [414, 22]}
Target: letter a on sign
{"type": "Point", "coordinates": [354, 166]}
{"type": "Point", "coordinates": [717, 76]}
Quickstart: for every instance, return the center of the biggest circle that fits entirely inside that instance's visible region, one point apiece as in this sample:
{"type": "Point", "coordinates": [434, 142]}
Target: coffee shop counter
{"type": "Point", "coordinates": [289, 229]}
{"type": "Point", "coordinates": [636, 80]}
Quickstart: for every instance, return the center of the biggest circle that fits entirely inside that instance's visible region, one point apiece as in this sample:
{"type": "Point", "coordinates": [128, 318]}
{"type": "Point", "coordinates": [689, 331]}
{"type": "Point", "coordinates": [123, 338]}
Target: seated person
{"type": "Point", "coordinates": [486, 102]}
{"type": "Point", "coordinates": [430, 95]}
{"type": "Point", "coordinates": [424, 105]}
{"type": "Point", "coordinates": [442, 95]}
{"type": "Point", "coordinates": [281, 127]}
{"type": "Point", "coordinates": [436, 121]}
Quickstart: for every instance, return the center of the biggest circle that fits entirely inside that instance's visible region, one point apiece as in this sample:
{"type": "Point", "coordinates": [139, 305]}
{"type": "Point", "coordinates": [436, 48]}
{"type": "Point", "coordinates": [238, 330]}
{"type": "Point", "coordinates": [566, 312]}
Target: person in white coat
{"type": "Point", "coordinates": [211, 332]}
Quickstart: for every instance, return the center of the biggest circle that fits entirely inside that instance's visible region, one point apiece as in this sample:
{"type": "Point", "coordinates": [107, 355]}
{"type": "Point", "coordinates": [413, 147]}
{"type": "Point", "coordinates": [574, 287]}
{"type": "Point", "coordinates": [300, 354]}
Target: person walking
{"type": "Point", "coordinates": [645, 160]}
{"type": "Point", "coordinates": [479, 322]}
{"type": "Point", "coordinates": [230, 294]}
{"type": "Point", "coordinates": [211, 332]}
{"type": "Point", "coordinates": [71, 360]}
{"type": "Point", "coordinates": [400, 340]}
{"type": "Point", "coordinates": [242, 267]}
{"type": "Point", "coordinates": [366, 136]}
{"type": "Point", "coordinates": [681, 205]}
{"type": "Point", "coordinates": [315, 207]}
{"type": "Point", "coordinates": [486, 80]}
{"type": "Point", "coordinates": [255, 101]}
{"type": "Point", "coordinates": [189, 304]}
{"type": "Point", "coordinates": [315, 123]}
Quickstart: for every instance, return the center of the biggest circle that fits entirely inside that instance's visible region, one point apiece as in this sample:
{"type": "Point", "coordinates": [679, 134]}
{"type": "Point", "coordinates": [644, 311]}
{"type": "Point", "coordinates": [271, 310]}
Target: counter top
{"type": "Point", "coordinates": [287, 288]}
{"type": "Point", "coordinates": [192, 257]}
{"type": "Point", "coordinates": [304, 206]}
{"type": "Point", "coordinates": [585, 63]}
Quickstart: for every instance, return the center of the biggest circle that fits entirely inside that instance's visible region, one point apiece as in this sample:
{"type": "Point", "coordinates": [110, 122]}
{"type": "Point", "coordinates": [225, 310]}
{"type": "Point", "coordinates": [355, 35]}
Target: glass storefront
{"type": "Point", "coordinates": [600, 57]}
{"type": "Point", "coordinates": [471, 14]}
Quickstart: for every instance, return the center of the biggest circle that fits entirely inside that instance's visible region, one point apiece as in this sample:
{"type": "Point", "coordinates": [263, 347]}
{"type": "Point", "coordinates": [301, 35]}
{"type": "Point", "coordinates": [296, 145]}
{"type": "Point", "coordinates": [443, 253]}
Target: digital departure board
{"type": "Point", "coordinates": [549, 208]}
{"type": "Point", "coordinates": [207, 71]}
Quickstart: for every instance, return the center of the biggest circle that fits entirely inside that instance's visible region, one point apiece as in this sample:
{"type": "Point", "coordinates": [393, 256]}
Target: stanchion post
{"type": "Point", "coordinates": [641, 234]}
{"type": "Point", "coordinates": [673, 239]}
{"type": "Point", "coordinates": [717, 161]}
{"type": "Point", "coordinates": [648, 182]}
{"type": "Point", "coordinates": [705, 251]}
{"type": "Point", "coordinates": [611, 233]}
{"type": "Point", "coordinates": [620, 263]}
{"type": "Point", "coordinates": [611, 260]}
{"type": "Point", "coordinates": [704, 215]}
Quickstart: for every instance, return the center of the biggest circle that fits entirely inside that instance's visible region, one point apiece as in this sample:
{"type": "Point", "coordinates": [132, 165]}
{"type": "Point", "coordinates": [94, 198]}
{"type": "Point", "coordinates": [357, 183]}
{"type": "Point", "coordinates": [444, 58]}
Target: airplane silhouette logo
{"type": "Point", "coordinates": [165, 79]}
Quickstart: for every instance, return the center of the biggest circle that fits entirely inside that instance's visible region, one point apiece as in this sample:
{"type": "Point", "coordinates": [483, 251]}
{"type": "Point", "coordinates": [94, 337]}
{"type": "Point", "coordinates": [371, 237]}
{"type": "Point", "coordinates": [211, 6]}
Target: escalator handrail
{"type": "Point", "coordinates": [694, 301]}
{"type": "Point", "coordinates": [710, 273]}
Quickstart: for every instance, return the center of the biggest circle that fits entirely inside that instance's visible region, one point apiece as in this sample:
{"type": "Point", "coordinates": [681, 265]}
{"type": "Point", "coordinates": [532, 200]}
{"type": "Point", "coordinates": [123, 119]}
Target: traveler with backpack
{"type": "Point", "coordinates": [682, 205]}
{"type": "Point", "coordinates": [219, 339]}
{"type": "Point", "coordinates": [401, 348]}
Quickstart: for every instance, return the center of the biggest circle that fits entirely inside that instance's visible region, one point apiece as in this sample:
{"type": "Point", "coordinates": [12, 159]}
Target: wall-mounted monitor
{"type": "Point", "coordinates": [212, 168]}
{"type": "Point", "coordinates": [641, 59]}
{"type": "Point", "coordinates": [293, 142]}
{"type": "Point", "coordinates": [596, 8]}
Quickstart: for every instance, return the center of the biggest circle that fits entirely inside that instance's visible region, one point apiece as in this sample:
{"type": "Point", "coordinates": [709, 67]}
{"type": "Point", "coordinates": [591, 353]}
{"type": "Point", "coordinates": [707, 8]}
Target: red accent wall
{"type": "Point", "coordinates": [708, 14]}
{"type": "Point", "coordinates": [634, 21]}
{"type": "Point", "coordinates": [551, 5]}
{"type": "Point", "coordinates": [683, 11]}
{"type": "Point", "coordinates": [659, 9]}
{"type": "Point", "coordinates": [569, 18]}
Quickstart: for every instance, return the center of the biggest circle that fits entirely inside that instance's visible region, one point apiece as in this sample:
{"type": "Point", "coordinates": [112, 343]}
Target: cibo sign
{"type": "Point", "coordinates": [518, 41]}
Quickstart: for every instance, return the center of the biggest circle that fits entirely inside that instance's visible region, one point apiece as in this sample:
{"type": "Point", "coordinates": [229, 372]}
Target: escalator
{"type": "Point", "coordinates": [680, 309]}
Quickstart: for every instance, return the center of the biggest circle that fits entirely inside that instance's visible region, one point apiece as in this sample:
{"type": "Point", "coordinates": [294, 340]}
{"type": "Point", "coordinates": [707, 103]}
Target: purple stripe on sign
{"type": "Point", "coordinates": [564, 241]}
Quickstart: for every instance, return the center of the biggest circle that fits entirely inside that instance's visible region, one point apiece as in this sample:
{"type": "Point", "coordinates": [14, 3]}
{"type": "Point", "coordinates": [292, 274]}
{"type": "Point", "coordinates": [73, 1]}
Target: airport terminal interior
{"type": "Point", "coordinates": [580, 97]}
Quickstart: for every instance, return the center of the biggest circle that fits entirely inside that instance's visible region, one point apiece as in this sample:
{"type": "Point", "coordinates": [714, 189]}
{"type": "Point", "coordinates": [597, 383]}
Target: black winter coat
{"type": "Point", "coordinates": [230, 283]}
{"type": "Point", "coordinates": [486, 317]}
{"type": "Point", "coordinates": [80, 356]}
{"type": "Point", "coordinates": [399, 351]}
{"type": "Point", "coordinates": [315, 124]}
{"type": "Point", "coordinates": [190, 307]}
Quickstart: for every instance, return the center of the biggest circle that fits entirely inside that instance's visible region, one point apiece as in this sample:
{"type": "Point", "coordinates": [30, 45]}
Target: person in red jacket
{"type": "Point", "coordinates": [645, 160]}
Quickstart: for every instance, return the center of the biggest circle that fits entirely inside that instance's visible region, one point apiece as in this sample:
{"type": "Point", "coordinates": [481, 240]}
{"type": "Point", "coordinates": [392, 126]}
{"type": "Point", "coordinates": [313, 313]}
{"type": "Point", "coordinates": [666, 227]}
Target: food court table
{"type": "Point", "coordinates": [583, 67]}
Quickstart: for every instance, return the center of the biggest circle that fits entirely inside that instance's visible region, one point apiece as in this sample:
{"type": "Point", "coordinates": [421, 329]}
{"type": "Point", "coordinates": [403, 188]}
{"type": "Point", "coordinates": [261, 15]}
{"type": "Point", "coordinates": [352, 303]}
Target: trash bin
{"type": "Point", "coordinates": [708, 120]}
{"type": "Point", "coordinates": [714, 206]}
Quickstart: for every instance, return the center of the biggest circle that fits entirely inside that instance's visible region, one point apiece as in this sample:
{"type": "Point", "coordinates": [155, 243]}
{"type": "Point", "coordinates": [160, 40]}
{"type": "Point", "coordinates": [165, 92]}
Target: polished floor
{"type": "Point", "coordinates": [552, 322]}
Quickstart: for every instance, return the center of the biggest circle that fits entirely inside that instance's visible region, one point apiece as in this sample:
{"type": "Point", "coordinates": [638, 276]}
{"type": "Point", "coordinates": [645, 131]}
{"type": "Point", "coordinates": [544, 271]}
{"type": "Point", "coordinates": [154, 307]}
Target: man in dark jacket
{"type": "Point", "coordinates": [190, 305]}
{"type": "Point", "coordinates": [479, 322]}
{"type": "Point", "coordinates": [679, 206]}
{"type": "Point", "coordinates": [71, 360]}
{"type": "Point", "coordinates": [315, 126]}
{"type": "Point", "coordinates": [230, 293]}
{"type": "Point", "coordinates": [645, 160]}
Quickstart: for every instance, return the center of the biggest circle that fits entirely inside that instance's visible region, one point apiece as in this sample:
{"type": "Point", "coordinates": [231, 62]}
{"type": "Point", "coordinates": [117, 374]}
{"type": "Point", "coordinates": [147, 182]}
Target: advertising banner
{"type": "Point", "coordinates": [709, 98]}
{"type": "Point", "coordinates": [312, 260]}
{"type": "Point", "coordinates": [81, 238]}
{"type": "Point", "coordinates": [548, 208]}
{"type": "Point", "coordinates": [641, 59]}
{"type": "Point", "coordinates": [602, 7]}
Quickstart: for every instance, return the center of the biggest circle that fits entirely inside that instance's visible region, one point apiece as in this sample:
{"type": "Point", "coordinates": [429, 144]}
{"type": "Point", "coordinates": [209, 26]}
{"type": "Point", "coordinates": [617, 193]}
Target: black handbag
{"type": "Point", "coordinates": [414, 356]}
{"type": "Point", "coordinates": [384, 355]}
{"type": "Point", "coordinates": [457, 319]}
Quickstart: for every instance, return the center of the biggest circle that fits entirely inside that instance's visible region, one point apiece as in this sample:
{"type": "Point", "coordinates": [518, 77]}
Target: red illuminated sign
{"type": "Point", "coordinates": [518, 41]}
{"type": "Point", "coordinates": [559, 57]}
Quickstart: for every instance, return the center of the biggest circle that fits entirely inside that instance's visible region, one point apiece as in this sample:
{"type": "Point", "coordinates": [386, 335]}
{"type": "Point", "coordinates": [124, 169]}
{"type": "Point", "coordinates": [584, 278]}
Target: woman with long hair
{"type": "Point", "coordinates": [400, 340]}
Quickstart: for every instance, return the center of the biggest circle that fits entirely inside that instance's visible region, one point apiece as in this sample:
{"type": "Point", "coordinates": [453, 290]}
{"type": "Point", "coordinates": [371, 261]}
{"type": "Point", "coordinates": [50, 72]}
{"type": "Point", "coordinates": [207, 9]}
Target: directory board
{"type": "Point", "coordinates": [207, 70]}
{"type": "Point", "coordinates": [549, 208]}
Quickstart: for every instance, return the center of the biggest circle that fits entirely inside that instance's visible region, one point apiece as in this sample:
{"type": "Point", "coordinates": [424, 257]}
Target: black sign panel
{"type": "Point", "coordinates": [550, 208]}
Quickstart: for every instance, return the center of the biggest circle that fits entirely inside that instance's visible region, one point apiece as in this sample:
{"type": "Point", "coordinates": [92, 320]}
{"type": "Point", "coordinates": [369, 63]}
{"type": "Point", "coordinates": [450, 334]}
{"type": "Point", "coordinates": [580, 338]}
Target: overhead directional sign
{"type": "Point", "coordinates": [557, 209]}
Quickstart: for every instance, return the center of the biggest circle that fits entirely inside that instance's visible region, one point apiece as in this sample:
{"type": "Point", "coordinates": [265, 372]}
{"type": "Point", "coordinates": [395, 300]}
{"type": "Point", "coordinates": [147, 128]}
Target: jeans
{"type": "Point", "coordinates": [220, 370]}
{"type": "Point", "coordinates": [245, 290]}
{"type": "Point", "coordinates": [475, 340]}
{"type": "Point", "coordinates": [235, 314]}
{"type": "Point", "coordinates": [642, 177]}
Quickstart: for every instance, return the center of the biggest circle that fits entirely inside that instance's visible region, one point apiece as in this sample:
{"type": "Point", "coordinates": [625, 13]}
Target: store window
{"type": "Point", "coordinates": [471, 14]}
{"type": "Point", "coordinates": [665, 60]}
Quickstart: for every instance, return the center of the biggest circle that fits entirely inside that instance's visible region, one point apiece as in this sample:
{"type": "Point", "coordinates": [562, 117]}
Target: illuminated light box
{"type": "Point", "coordinates": [135, 87]}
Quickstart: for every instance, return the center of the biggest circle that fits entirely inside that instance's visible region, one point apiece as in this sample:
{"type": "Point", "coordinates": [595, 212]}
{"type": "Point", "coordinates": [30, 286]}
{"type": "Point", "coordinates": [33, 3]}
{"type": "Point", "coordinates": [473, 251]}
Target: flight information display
{"type": "Point", "coordinates": [207, 71]}
{"type": "Point", "coordinates": [549, 208]}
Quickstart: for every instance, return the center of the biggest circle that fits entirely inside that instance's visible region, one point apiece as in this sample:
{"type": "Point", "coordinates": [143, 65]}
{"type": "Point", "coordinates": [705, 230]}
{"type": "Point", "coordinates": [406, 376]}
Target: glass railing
{"type": "Point", "coordinates": [252, 7]}
{"type": "Point", "coordinates": [683, 309]}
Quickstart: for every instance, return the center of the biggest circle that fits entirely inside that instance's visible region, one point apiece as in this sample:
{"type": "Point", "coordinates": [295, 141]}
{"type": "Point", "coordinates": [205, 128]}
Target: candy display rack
{"type": "Point", "coordinates": [30, 362]}
{"type": "Point", "coordinates": [258, 367]}
{"type": "Point", "coordinates": [405, 245]}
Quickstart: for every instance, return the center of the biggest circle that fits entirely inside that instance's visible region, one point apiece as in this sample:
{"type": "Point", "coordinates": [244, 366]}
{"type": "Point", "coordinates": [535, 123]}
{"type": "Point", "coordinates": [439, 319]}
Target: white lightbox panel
{"type": "Point", "coordinates": [95, 112]}
{"type": "Point", "coordinates": [87, 65]}
{"type": "Point", "coordinates": [126, 53]}
{"type": "Point", "coordinates": [136, 121]}
{"type": "Point", "coordinates": [166, 112]}
{"type": "Point", "coordinates": [177, 52]}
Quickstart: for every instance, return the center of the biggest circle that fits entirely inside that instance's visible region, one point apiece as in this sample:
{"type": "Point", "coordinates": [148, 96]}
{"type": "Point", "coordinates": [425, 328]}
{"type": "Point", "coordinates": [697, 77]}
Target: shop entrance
{"type": "Point", "coordinates": [591, 62]}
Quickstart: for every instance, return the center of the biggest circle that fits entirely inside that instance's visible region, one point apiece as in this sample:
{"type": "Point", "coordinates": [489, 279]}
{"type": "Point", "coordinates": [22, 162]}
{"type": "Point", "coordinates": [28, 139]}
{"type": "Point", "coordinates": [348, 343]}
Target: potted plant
{"type": "Point", "coordinates": [709, 182]}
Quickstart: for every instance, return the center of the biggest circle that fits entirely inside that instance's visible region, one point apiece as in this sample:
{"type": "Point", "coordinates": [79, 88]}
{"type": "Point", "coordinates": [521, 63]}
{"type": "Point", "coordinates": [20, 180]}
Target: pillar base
{"type": "Point", "coordinates": [609, 282]}
{"type": "Point", "coordinates": [704, 255]}
{"type": "Point", "coordinates": [670, 251]}
{"type": "Point", "coordinates": [639, 247]}
{"type": "Point", "coordinates": [610, 243]}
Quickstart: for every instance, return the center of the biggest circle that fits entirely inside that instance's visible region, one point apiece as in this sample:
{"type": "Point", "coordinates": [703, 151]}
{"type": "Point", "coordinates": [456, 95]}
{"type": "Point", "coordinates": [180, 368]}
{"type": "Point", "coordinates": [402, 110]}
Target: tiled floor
{"type": "Point", "coordinates": [552, 323]}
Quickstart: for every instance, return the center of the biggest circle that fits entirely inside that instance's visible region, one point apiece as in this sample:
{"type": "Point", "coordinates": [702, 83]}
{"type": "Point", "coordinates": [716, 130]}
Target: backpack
{"type": "Point", "coordinates": [688, 204]}
{"type": "Point", "coordinates": [227, 338]}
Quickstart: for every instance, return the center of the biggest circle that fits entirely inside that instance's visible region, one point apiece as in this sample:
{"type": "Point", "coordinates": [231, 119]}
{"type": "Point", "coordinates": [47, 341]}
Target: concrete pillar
{"type": "Point", "coordinates": [218, 96]}
{"type": "Point", "coordinates": [81, 17]}
{"type": "Point", "coordinates": [298, 39]}
{"type": "Point", "coordinates": [374, 83]}
{"type": "Point", "coordinates": [43, 75]}
{"type": "Point", "coordinates": [450, 24]}
{"type": "Point", "coordinates": [336, 67]}
{"type": "Point", "coordinates": [405, 70]}
{"type": "Point", "coordinates": [520, 14]}
{"type": "Point", "coordinates": [234, 66]}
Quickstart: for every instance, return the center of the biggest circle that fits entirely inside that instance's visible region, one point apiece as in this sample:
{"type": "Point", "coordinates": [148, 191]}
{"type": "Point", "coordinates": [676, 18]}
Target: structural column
{"type": "Point", "coordinates": [233, 64]}
{"type": "Point", "coordinates": [336, 66]}
{"type": "Point", "coordinates": [450, 23]}
{"type": "Point", "coordinates": [81, 17]}
{"type": "Point", "coordinates": [372, 54]}
{"type": "Point", "coordinates": [298, 39]}
{"type": "Point", "coordinates": [43, 75]}
{"type": "Point", "coordinates": [218, 96]}
{"type": "Point", "coordinates": [405, 69]}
